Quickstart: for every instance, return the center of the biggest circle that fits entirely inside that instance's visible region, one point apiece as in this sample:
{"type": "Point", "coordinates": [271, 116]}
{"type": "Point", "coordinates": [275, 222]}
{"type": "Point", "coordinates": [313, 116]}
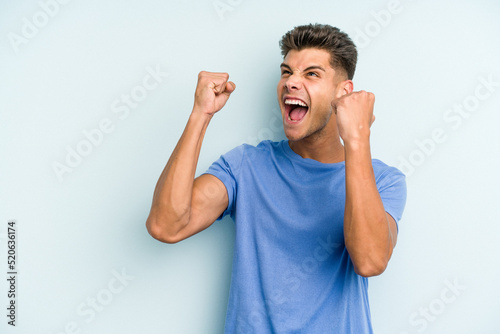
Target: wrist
{"type": "Point", "coordinates": [357, 142]}
{"type": "Point", "coordinates": [198, 114]}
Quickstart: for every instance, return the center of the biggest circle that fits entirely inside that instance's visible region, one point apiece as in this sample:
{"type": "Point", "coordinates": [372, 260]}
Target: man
{"type": "Point", "coordinates": [314, 217]}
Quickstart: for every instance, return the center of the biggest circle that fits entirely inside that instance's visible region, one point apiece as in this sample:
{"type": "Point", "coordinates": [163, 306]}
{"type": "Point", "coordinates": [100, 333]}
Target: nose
{"type": "Point", "coordinates": [293, 83]}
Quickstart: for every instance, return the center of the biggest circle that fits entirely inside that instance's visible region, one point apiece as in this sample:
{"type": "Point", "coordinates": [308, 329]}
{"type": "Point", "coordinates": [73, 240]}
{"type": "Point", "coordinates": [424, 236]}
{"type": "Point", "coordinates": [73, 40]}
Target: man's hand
{"type": "Point", "coordinates": [212, 92]}
{"type": "Point", "coordinates": [354, 115]}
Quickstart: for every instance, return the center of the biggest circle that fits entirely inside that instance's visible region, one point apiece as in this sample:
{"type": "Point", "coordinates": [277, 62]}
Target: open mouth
{"type": "Point", "coordinates": [295, 109]}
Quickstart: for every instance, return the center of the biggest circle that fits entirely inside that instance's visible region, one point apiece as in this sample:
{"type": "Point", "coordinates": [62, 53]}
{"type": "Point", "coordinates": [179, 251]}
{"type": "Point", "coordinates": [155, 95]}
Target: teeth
{"type": "Point", "coordinates": [295, 102]}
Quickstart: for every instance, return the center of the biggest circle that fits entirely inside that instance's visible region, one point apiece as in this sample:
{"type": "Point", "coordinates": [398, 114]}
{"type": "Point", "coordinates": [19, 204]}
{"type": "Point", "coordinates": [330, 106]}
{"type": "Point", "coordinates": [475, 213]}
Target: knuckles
{"type": "Point", "coordinates": [354, 97]}
{"type": "Point", "coordinates": [362, 94]}
{"type": "Point", "coordinates": [213, 75]}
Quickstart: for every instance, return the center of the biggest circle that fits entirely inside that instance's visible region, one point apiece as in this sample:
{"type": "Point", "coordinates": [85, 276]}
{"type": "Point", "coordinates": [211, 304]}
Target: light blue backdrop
{"type": "Point", "coordinates": [95, 94]}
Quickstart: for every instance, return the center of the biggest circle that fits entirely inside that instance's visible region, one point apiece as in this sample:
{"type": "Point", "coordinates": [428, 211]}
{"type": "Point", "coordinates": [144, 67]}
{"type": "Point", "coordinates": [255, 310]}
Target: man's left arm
{"type": "Point", "coordinates": [370, 233]}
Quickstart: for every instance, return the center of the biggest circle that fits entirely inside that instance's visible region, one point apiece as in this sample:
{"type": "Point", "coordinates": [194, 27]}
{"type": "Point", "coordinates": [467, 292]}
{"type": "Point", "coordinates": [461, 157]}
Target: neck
{"type": "Point", "coordinates": [323, 149]}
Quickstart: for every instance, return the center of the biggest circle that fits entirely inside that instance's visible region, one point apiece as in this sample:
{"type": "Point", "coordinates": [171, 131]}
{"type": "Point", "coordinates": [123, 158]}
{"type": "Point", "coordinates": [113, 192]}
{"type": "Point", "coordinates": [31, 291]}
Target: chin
{"type": "Point", "coordinates": [293, 135]}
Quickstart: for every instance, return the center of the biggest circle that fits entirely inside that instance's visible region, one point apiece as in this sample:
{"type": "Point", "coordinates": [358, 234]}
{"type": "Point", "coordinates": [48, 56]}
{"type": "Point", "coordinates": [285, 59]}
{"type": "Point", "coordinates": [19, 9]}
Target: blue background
{"type": "Point", "coordinates": [66, 69]}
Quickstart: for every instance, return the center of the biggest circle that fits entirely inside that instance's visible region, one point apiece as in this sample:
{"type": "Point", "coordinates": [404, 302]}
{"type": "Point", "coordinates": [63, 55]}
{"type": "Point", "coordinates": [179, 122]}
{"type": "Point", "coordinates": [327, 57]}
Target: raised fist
{"type": "Point", "coordinates": [212, 92]}
{"type": "Point", "coordinates": [354, 115]}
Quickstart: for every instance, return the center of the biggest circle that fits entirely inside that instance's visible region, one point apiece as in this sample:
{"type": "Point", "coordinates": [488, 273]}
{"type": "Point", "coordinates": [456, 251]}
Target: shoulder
{"type": "Point", "coordinates": [391, 184]}
{"type": "Point", "coordinates": [385, 174]}
{"type": "Point", "coordinates": [246, 153]}
{"type": "Point", "coordinates": [380, 169]}
{"type": "Point", "coordinates": [264, 148]}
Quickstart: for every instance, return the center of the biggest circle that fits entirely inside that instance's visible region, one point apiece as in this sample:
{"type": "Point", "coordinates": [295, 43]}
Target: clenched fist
{"type": "Point", "coordinates": [354, 115]}
{"type": "Point", "coordinates": [212, 92]}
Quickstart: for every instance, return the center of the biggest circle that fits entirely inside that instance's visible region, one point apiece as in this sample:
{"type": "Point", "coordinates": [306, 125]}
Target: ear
{"type": "Point", "coordinates": [343, 88]}
{"type": "Point", "coordinates": [347, 87]}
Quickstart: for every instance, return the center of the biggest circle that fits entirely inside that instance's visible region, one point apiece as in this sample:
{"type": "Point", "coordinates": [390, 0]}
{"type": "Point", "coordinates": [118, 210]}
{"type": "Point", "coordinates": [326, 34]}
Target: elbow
{"type": "Point", "coordinates": [161, 232]}
{"type": "Point", "coordinates": [370, 268]}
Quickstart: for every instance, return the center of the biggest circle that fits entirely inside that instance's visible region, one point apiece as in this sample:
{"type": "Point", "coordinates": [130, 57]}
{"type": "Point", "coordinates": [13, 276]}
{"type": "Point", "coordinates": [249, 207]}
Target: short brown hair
{"type": "Point", "coordinates": [322, 36]}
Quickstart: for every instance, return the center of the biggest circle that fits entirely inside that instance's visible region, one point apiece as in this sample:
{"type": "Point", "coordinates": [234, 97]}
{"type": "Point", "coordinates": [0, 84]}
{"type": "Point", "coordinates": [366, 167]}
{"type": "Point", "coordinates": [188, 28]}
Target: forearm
{"type": "Point", "coordinates": [367, 233]}
{"type": "Point", "coordinates": [171, 207]}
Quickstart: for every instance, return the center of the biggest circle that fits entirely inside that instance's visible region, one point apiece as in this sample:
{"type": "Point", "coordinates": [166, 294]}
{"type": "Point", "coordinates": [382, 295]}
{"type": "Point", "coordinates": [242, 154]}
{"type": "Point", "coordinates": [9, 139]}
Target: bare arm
{"type": "Point", "coordinates": [182, 205]}
{"type": "Point", "coordinates": [370, 233]}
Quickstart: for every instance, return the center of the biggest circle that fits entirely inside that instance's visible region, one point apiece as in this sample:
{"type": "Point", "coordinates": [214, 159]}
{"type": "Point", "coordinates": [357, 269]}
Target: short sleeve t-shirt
{"type": "Point", "coordinates": [291, 271]}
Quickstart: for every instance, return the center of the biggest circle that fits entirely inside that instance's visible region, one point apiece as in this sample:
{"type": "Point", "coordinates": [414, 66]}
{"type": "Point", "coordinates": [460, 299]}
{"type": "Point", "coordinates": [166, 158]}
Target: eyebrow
{"type": "Point", "coordinates": [313, 67]}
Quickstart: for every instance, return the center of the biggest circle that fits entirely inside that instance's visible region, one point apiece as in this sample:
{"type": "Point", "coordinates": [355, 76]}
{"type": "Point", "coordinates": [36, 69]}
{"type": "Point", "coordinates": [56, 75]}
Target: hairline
{"type": "Point", "coordinates": [341, 71]}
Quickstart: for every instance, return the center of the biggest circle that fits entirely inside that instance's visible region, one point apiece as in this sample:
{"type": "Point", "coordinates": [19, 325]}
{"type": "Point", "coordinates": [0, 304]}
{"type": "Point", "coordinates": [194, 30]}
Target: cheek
{"type": "Point", "coordinates": [323, 103]}
{"type": "Point", "coordinates": [281, 84]}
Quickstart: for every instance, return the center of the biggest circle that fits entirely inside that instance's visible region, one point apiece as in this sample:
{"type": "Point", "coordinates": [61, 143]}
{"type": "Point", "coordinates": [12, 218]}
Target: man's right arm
{"type": "Point", "coordinates": [182, 205]}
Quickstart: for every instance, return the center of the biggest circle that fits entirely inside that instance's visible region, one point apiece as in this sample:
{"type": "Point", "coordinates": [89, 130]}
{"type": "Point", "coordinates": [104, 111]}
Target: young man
{"type": "Point", "coordinates": [314, 217]}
